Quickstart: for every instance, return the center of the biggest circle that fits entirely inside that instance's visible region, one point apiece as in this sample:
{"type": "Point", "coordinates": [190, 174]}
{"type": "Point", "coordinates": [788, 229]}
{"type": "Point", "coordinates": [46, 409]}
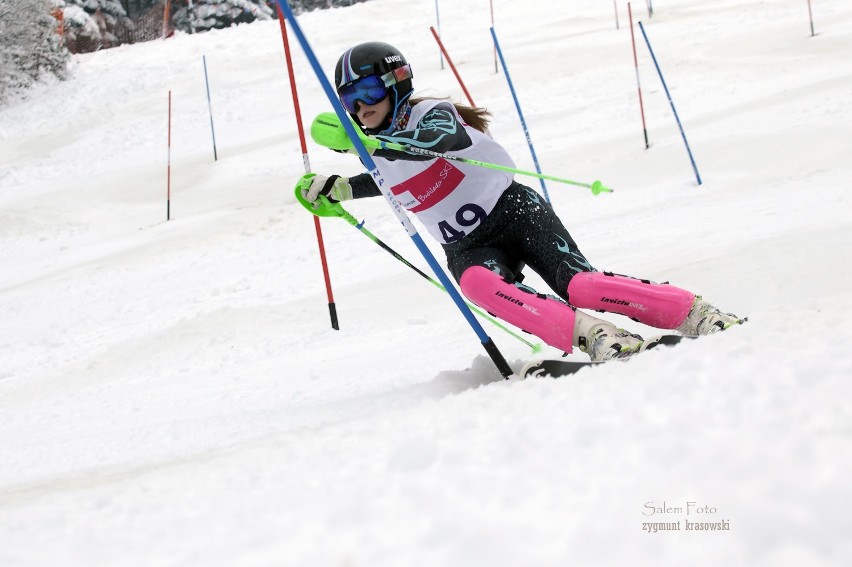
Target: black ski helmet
{"type": "Point", "coordinates": [374, 58]}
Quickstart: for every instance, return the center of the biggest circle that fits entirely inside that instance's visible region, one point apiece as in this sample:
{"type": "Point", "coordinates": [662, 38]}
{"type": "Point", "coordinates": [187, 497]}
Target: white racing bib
{"type": "Point", "coordinates": [449, 197]}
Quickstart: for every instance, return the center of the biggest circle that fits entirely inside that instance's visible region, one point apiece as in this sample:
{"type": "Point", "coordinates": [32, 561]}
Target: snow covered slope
{"type": "Point", "coordinates": [171, 393]}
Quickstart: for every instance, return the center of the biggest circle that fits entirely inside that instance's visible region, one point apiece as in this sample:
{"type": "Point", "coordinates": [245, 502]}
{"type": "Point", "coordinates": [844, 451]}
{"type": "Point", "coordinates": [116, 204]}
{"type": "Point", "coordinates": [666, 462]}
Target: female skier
{"type": "Point", "coordinates": [489, 225]}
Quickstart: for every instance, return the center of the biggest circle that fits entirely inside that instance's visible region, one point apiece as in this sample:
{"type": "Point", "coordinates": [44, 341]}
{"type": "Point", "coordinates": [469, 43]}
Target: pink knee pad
{"type": "Point", "coordinates": [547, 318]}
{"type": "Point", "coordinates": [658, 305]}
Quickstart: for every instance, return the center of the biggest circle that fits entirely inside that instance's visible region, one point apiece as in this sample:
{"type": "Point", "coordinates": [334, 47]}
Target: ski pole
{"type": "Point", "coordinates": [325, 208]}
{"type": "Point", "coordinates": [487, 343]}
{"type": "Point", "coordinates": [327, 130]}
{"type": "Point", "coordinates": [596, 187]}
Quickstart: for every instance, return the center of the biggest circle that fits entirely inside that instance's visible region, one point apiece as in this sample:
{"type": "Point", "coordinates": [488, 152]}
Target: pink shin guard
{"type": "Point", "coordinates": [659, 305]}
{"type": "Point", "coordinates": [550, 320]}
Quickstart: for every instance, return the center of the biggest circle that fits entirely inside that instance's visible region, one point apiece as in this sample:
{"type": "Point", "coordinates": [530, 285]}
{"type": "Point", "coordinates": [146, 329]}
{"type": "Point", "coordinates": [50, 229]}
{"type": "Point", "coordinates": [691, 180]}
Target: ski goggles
{"type": "Point", "coordinates": [371, 89]}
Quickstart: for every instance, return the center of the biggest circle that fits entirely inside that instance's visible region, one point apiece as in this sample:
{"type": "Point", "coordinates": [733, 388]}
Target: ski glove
{"type": "Point", "coordinates": [335, 188]}
{"type": "Point", "coordinates": [328, 131]}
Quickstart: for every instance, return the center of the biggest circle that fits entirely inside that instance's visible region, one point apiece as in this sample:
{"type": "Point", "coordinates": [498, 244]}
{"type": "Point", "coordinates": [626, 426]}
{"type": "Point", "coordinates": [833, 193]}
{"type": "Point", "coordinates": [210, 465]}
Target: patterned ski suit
{"type": "Point", "coordinates": [481, 217]}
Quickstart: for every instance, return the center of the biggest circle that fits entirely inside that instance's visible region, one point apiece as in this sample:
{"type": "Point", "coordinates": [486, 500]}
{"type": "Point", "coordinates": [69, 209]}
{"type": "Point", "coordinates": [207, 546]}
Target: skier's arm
{"type": "Point", "coordinates": [363, 186]}
{"type": "Point", "coordinates": [336, 188]}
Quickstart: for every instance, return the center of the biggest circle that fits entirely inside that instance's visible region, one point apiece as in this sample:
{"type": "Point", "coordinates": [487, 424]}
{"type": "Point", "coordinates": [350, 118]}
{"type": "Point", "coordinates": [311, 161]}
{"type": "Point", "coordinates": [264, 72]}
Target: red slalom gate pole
{"type": "Point", "coordinates": [636, 66]}
{"type": "Point", "coordinates": [332, 308]}
{"type": "Point", "coordinates": [169, 164]}
{"type": "Point", "coordinates": [453, 67]}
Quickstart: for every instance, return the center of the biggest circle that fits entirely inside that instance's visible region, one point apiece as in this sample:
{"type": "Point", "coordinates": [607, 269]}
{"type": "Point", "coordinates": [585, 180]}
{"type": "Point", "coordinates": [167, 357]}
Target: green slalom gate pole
{"type": "Point", "coordinates": [325, 208]}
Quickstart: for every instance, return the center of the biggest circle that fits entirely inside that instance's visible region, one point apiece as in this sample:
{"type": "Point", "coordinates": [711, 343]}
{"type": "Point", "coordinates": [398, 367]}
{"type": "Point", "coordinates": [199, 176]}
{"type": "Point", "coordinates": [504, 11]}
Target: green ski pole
{"type": "Point", "coordinates": [327, 131]}
{"type": "Point", "coordinates": [325, 208]}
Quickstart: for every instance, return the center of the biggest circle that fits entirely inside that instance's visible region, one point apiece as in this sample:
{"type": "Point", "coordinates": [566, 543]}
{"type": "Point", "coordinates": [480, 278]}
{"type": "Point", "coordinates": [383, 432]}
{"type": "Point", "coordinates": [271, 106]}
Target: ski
{"type": "Point", "coordinates": [557, 368]}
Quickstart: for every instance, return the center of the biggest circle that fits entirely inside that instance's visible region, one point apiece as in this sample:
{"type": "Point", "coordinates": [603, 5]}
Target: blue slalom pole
{"type": "Point", "coordinates": [682, 133]}
{"type": "Point", "coordinates": [520, 114]}
{"type": "Point", "coordinates": [210, 108]}
{"type": "Point", "coordinates": [367, 160]}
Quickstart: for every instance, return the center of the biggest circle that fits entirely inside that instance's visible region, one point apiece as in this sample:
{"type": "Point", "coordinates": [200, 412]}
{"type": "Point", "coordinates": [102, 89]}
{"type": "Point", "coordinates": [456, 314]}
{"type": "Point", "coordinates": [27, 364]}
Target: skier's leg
{"type": "Point", "coordinates": [658, 305]}
{"type": "Point", "coordinates": [546, 317]}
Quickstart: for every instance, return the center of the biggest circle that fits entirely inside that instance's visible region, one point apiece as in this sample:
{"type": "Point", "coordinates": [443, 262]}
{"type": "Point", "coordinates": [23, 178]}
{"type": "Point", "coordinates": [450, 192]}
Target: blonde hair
{"type": "Point", "coordinates": [473, 116]}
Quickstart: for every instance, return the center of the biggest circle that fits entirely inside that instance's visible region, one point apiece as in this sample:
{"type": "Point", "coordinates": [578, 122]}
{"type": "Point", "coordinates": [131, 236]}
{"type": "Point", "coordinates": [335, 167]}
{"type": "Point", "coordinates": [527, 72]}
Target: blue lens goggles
{"type": "Point", "coordinates": [370, 89]}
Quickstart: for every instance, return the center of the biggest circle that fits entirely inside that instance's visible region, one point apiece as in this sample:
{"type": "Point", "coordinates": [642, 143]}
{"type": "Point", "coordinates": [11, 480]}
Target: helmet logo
{"type": "Point", "coordinates": [393, 58]}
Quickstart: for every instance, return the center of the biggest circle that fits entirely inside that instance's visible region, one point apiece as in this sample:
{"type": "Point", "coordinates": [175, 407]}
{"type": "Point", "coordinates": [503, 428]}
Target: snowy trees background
{"type": "Point", "coordinates": [136, 8]}
{"type": "Point", "coordinates": [91, 24]}
{"type": "Point", "coordinates": [30, 47]}
{"type": "Point", "coordinates": [94, 24]}
{"type": "Point", "coordinates": [205, 15]}
{"type": "Point", "coordinates": [36, 36]}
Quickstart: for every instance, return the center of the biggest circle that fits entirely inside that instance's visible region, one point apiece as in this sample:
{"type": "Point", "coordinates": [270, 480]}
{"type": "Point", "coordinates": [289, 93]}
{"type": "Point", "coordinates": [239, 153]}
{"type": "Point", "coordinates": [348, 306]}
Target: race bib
{"type": "Point", "coordinates": [429, 187]}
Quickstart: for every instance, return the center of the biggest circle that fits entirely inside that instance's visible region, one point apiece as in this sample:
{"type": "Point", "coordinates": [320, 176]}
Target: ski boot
{"type": "Point", "coordinates": [606, 342]}
{"type": "Point", "coordinates": [704, 319]}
